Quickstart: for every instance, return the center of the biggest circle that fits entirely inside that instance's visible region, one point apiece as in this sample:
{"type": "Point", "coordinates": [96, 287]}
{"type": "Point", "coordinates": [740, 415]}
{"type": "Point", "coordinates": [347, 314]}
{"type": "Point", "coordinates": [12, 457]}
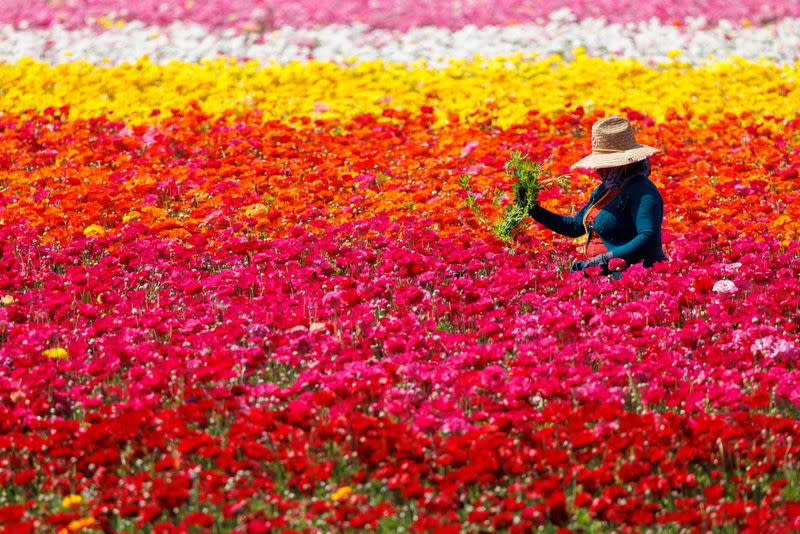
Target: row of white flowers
{"type": "Point", "coordinates": [696, 41]}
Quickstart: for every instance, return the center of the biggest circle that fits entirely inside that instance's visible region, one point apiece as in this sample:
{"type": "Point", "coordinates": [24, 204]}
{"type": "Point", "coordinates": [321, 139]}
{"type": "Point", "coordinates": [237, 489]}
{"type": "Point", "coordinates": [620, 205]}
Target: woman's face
{"type": "Point", "coordinates": [610, 171]}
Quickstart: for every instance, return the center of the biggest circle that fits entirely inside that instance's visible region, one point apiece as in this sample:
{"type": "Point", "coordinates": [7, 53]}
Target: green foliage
{"type": "Point", "coordinates": [528, 182]}
{"type": "Point", "coordinates": [471, 200]}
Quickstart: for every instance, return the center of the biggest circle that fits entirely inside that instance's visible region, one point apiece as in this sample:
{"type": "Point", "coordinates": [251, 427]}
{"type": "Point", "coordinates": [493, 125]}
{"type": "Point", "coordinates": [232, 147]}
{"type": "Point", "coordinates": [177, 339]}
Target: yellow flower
{"type": "Point", "coordinates": [673, 54]}
{"type": "Point", "coordinates": [255, 210]}
{"type": "Point", "coordinates": [71, 501]}
{"type": "Point", "coordinates": [57, 353]}
{"type": "Point", "coordinates": [6, 300]}
{"type": "Point", "coordinates": [516, 84]}
{"type": "Point", "coordinates": [80, 524]}
{"type": "Point", "coordinates": [341, 493]}
{"type": "Point", "coordinates": [94, 230]}
{"type": "Point", "coordinates": [131, 216]}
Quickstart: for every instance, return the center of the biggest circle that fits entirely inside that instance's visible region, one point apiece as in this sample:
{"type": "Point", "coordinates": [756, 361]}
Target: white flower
{"type": "Point", "coordinates": [731, 268]}
{"type": "Point", "coordinates": [559, 34]}
{"type": "Point", "coordinates": [724, 286]}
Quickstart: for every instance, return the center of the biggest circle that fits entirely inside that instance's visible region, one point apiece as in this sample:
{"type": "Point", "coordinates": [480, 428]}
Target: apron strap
{"type": "Point", "coordinates": [591, 215]}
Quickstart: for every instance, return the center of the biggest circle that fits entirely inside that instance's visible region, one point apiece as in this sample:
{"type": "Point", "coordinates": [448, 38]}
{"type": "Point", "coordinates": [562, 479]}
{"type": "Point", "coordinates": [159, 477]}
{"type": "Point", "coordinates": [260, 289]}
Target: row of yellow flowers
{"type": "Point", "coordinates": [508, 87]}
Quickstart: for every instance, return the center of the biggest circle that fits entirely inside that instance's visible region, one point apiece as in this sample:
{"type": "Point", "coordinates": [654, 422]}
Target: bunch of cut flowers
{"type": "Point", "coordinates": [529, 179]}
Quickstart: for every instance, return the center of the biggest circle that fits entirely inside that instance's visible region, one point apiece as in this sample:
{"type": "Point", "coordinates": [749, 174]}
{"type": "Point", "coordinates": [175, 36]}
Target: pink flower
{"type": "Point", "coordinates": [616, 264]}
{"type": "Point", "coordinates": [468, 148]}
{"type": "Point", "coordinates": [775, 347]}
{"type": "Point", "coordinates": [493, 378]}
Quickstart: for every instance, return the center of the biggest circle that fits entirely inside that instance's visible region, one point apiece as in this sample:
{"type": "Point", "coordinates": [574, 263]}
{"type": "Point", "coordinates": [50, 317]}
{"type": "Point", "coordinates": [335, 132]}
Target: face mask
{"type": "Point", "coordinates": [618, 177]}
{"type": "Point", "coordinates": [613, 178]}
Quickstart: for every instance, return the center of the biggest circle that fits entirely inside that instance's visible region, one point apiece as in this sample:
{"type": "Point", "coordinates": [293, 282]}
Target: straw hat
{"type": "Point", "coordinates": [613, 144]}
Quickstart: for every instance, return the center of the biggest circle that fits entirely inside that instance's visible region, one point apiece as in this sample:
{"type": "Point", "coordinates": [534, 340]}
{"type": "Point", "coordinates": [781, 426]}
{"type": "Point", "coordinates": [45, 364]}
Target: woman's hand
{"type": "Point", "coordinates": [529, 204]}
{"type": "Point", "coordinates": [521, 199]}
{"type": "Point", "coordinates": [598, 261]}
{"type": "Point", "coordinates": [578, 265]}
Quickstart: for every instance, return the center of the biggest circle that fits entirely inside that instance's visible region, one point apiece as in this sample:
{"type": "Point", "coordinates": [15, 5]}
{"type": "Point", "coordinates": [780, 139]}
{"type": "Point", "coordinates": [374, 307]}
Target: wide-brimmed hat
{"type": "Point", "coordinates": [613, 144]}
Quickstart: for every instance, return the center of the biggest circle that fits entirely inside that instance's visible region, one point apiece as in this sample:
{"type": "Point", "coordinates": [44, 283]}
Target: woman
{"type": "Point", "coordinates": [622, 218]}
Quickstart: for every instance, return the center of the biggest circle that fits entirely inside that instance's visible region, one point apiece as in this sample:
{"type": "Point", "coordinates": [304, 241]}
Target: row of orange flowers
{"type": "Point", "coordinates": [194, 173]}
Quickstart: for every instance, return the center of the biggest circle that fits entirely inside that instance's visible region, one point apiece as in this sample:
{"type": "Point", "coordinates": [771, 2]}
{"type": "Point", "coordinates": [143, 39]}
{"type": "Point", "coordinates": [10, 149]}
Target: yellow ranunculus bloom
{"type": "Point", "coordinates": [516, 85]}
{"type": "Point", "coordinates": [71, 501]}
{"type": "Point", "coordinates": [57, 353]}
{"type": "Point", "coordinates": [94, 230]}
{"type": "Point", "coordinates": [131, 216]}
{"type": "Point", "coordinates": [80, 524]}
{"type": "Point", "coordinates": [341, 493]}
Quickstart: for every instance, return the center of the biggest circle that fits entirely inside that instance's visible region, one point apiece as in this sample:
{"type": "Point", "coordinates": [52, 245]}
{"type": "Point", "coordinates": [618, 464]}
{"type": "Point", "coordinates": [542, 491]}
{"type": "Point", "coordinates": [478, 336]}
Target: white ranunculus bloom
{"type": "Point", "coordinates": [560, 34]}
{"type": "Point", "coordinates": [731, 267]}
{"type": "Point", "coordinates": [724, 286]}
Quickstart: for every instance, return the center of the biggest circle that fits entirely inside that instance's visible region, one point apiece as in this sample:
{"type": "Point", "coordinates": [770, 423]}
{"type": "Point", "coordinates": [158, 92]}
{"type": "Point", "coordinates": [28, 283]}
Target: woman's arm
{"type": "Point", "coordinates": [561, 224]}
{"type": "Point", "coordinates": [648, 210]}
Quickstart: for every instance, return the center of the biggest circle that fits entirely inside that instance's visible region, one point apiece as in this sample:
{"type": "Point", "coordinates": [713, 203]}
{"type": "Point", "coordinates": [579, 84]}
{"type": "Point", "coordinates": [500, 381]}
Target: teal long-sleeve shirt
{"type": "Point", "coordinates": [629, 226]}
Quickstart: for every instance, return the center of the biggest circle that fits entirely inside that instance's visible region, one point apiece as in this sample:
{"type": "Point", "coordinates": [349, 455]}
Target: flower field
{"type": "Point", "coordinates": [249, 280]}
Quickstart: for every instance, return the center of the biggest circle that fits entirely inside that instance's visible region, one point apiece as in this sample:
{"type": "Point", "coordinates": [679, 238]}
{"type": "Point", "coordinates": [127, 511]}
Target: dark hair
{"type": "Point", "coordinates": [640, 167]}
